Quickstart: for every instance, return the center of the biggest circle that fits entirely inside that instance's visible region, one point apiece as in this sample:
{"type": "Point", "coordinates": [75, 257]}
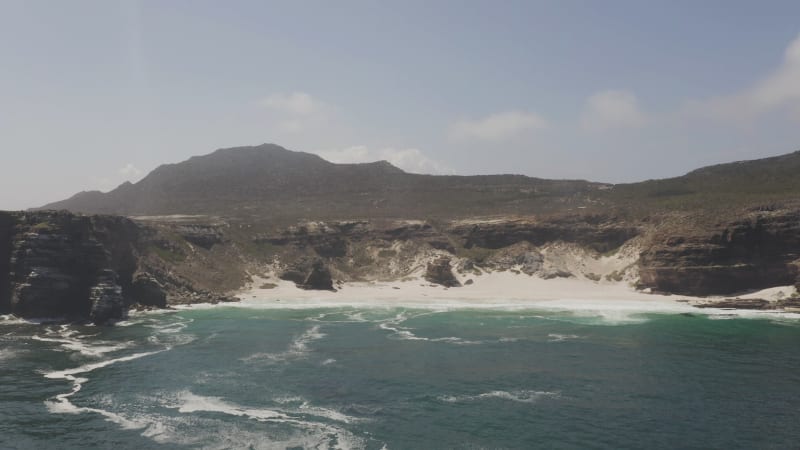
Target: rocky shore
{"type": "Point", "coordinates": [96, 268]}
{"type": "Point", "coordinates": [62, 265]}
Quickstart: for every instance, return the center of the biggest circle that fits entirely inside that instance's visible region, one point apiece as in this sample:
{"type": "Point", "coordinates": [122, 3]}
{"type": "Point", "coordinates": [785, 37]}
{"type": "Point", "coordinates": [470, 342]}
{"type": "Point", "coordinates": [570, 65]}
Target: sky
{"type": "Point", "coordinates": [95, 93]}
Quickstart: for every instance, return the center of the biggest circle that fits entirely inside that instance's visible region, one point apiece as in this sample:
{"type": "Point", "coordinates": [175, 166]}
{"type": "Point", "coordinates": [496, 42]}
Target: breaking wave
{"type": "Point", "coordinates": [298, 348]}
{"type": "Point", "coordinates": [522, 396]}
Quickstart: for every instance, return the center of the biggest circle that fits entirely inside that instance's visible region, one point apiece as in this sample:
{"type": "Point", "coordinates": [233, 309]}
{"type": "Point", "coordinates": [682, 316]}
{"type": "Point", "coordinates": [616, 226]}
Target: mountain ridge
{"type": "Point", "coordinates": [271, 180]}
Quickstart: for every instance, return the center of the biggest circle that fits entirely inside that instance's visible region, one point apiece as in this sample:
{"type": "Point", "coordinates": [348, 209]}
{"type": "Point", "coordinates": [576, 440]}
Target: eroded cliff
{"type": "Point", "coordinates": [96, 267]}
{"type": "Point", "coordinates": [57, 264]}
{"type": "Point", "coordinates": [759, 250]}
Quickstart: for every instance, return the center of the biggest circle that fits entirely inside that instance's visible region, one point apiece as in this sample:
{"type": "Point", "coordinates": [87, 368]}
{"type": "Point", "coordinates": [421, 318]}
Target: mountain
{"type": "Point", "coordinates": [269, 181]}
{"type": "Point", "coordinates": [718, 188]}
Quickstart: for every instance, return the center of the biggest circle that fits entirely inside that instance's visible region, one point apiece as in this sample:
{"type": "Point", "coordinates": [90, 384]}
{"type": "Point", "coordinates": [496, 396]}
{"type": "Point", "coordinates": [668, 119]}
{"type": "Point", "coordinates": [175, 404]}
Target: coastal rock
{"type": "Point", "coordinates": [555, 273]}
{"type": "Point", "coordinates": [307, 274]}
{"type": "Point", "coordinates": [7, 225]}
{"type": "Point", "coordinates": [68, 266]}
{"type": "Point", "coordinates": [146, 290]}
{"type": "Point", "coordinates": [205, 236]}
{"type": "Point", "coordinates": [44, 292]}
{"type": "Point", "coordinates": [439, 272]}
{"type": "Point", "coordinates": [319, 278]}
{"type": "Point", "coordinates": [107, 303]}
{"type": "Point", "coordinates": [792, 303]}
{"type": "Point", "coordinates": [466, 265]}
{"type": "Point", "coordinates": [753, 253]}
{"type": "Point", "coordinates": [739, 303]}
{"type": "Point", "coordinates": [296, 272]}
{"type": "Point", "coordinates": [521, 256]}
{"type": "Point", "coordinates": [334, 239]}
{"type": "Point", "coordinates": [598, 232]}
{"type": "Point", "coordinates": [55, 263]}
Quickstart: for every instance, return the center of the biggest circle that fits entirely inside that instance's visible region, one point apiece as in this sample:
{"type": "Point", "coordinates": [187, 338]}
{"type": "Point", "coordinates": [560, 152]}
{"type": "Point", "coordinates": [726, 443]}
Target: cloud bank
{"type": "Point", "coordinates": [612, 109]}
{"type": "Point", "coordinates": [498, 126]}
{"type": "Point", "coordinates": [778, 90]}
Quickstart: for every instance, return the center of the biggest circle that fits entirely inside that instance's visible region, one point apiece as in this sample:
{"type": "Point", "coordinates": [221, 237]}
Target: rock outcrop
{"type": "Point", "coordinates": [319, 278]}
{"type": "Point", "coordinates": [60, 267]}
{"type": "Point", "coordinates": [7, 224]}
{"type": "Point", "coordinates": [523, 256]}
{"type": "Point", "coordinates": [792, 303]}
{"type": "Point", "coordinates": [205, 236]}
{"type": "Point", "coordinates": [440, 272]}
{"type": "Point", "coordinates": [756, 252]}
{"type": "Point", "coordinates": [308, 274]}
{"type": "Point", "coordinates": [599, 233]}
{"type": "Point", "coordinates": [147, 291]}
{"type": "Point", "coordinates": [105, 298]}
{"type": "Point", "coordinates": [58, 264]}
{"type": "Point", "coordinates": [97, 267]}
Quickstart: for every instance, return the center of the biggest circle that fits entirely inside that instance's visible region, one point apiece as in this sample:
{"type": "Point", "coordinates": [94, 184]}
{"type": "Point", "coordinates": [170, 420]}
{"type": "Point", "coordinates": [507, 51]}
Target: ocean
{"type": "Point", "coordinates": [383, 377]}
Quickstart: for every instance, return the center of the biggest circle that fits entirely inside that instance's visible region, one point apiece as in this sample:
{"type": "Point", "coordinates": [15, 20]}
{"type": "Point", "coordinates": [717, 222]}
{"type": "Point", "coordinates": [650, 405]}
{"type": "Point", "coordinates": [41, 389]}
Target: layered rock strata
{"type": "Point", "coordinates": [756, 252]}
{"type": "Point", "coordinates": [57, 264]}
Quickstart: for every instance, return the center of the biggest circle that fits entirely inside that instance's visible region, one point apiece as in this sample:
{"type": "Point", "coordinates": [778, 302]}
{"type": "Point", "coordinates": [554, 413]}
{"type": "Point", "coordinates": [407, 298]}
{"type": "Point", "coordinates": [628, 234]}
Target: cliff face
{"type": "Point", "coordinates": [57, 264]}
{"type": "Point", "coordinates": [96, 267]}
{"type": "Point", "coordinates": [6, 230]}
{"type": "Point", "coordinates": [369, 250]}
{"type": "Point", "coordinates": [759, 251]}
{"type": "Point", "coordinates": [70, 266]}
{"type": "Point", "coordinates": [600, 233]}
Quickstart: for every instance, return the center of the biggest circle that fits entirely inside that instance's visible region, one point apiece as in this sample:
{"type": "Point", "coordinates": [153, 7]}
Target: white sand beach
{"type": "Point", "coordinates": [497, 290]}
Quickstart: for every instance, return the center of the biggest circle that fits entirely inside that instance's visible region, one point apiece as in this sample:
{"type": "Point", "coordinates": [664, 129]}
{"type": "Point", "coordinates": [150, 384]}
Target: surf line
{"type": "Point", "coordinates": [61, 403]}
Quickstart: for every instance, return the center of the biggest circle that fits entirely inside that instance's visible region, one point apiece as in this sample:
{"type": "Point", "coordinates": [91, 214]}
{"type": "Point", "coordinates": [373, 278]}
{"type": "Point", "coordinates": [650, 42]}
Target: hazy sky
{"type": "Point", "coordinates": [93, 93]}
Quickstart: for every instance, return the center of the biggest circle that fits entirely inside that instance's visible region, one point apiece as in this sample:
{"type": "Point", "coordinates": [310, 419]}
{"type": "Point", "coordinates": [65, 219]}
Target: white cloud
{"type": "Point", "coordinates": [130, 172]}
{"type": "Point", "coordinates": [612, 109]}
{"type": "Point", "coordinates": [779, 89]}
{"type": "Point", "coordinates": [110, 180]}
{"type": "Point", "coordinates": [296, 112]}
{"type": "Point", "coordinates": [295, 103]}
{"type": "Point", "coordinates": [409, 159]}
{"type": "Point", "coordinates": [290, 126]}
{"type": "Point", "coordinates": [498, 126]}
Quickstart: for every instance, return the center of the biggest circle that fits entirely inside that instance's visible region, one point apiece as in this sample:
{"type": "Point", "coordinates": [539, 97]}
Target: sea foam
{"type": "Point", "coordinates": [298, 347]}
{"type": "Point", "coordinates": [520, 396]}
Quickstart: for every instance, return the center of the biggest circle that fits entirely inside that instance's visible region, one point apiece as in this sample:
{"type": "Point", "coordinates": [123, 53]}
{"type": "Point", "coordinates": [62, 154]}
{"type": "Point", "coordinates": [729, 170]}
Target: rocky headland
{"type": "Point", "coordinates": [59, 265]}
{"type": "Point", "coordinates": [202, 230]}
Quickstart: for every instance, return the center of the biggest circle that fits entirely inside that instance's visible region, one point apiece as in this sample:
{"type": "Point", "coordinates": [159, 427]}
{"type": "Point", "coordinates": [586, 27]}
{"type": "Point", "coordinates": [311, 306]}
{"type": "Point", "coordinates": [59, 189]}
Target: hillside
{"type": "Point", "coordinates": [720, 189]}
{"type": "Point", "coordinates": [270, 182]}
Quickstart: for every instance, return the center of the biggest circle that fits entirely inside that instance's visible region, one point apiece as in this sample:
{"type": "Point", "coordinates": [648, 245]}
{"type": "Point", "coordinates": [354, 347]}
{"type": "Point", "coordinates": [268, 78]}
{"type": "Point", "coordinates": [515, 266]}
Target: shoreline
{"type": "Point", "coordinates": [498, 290]}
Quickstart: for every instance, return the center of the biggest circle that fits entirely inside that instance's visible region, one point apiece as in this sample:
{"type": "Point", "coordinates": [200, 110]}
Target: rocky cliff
{"type": "Point", "coordinates": [58, 264]}
{"type": "Point", "coordinates": [71, 266]}
{"type": "Point", "coordinates": [6, 231]}
{"type": "Point", "coordinates": [759, 250]}
{"type": "Point", "coordinates": [97, 267]}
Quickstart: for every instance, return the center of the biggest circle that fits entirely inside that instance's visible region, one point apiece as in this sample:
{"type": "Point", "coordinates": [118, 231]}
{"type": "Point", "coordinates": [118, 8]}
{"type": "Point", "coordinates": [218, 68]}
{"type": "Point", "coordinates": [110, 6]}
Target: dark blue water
{"type": "Point", "coordinates": [401, 379]}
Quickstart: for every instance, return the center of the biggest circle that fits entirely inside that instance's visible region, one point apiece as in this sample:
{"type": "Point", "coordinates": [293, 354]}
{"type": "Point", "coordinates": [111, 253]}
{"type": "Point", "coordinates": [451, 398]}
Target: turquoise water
{"type": "Point", "coordinates": [400, 378]}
